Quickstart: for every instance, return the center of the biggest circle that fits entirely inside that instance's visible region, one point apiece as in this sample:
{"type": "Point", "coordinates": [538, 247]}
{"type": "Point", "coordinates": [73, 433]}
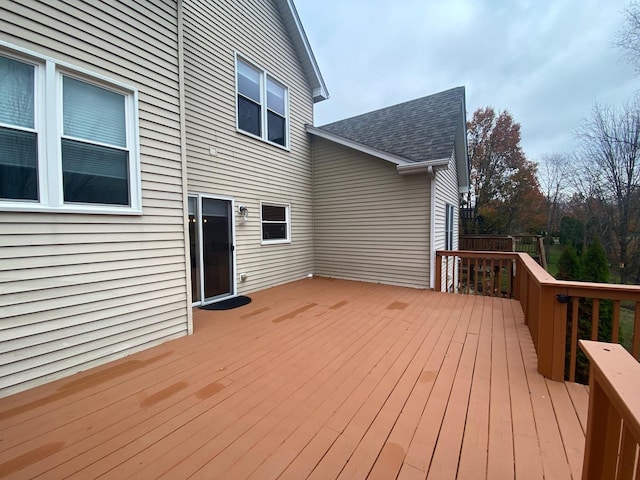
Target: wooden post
{"type": "Point", "coordinates": [574, 339]}
{"type": "Point", "coordinates": [552, 331]}
{"type": "Point", "coordinates": [600, 450]}
{"type": "Point", "coordinates": [614, 408]}
{"type": "Point", "coordinates": [635, 350]}
{"type": "Point", "coordinates": [438, 286]}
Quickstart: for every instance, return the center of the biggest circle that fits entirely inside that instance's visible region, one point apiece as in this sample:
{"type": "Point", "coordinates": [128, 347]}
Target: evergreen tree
{"type": "Point", "coordinates": [569, 267]}
{"type": "Point", "coordinates": [594, 269]}
{"type": "Point", "coordinates": [595, 265]}
{"type": "Point", "coordinates": [572, 233]}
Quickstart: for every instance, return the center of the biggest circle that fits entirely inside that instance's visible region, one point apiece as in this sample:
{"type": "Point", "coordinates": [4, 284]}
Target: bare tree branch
{"type": "Point", "coordinates": [628, 38]}
{"type": "Point", "coordinates": [609, 159]}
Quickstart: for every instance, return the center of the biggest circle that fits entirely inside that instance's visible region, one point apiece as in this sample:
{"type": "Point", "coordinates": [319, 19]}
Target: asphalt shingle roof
{"type": "Point", "coordinates": [418, 130]}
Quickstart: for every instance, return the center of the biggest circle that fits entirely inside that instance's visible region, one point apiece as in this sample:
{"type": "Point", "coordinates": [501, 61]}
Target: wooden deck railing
{"type": "Point", "coordinates": [545, 302]}
{"type": "Point", "coordinates": [613, 425]}
{"type": "Point", "coordinates": [531, 244]}
{"type": "Point", "coordinates": [477, 273]}
{"type": "Point", "coordinates": [487, 243]}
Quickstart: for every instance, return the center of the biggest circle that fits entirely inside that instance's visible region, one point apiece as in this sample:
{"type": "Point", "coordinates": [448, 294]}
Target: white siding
{"type": "Point", "coordinates": [78, 290]}
{"type": "Point", "coordinates": [244, 168]}
{"type": "Point", "coordinates": [446, 182]}
{"type": "Point", "coordinates": [371, 223]}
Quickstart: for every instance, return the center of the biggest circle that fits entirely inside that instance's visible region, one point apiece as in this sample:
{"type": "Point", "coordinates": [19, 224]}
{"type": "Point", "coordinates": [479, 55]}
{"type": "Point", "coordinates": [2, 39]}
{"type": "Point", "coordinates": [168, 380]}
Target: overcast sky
{"type": "Point", "coordinates": [547, 62]}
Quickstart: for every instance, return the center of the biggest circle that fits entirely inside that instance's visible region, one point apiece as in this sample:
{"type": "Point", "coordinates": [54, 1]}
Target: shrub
{"type": "Point", "coordinates": [594, 269]}
{"type": "Point", "coordinates": [569, 267]}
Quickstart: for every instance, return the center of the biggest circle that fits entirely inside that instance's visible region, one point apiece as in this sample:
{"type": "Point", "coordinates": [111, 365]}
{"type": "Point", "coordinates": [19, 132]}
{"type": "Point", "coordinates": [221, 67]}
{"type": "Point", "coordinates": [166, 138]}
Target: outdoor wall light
{"type": "Point", "coordinates": [244, 211]}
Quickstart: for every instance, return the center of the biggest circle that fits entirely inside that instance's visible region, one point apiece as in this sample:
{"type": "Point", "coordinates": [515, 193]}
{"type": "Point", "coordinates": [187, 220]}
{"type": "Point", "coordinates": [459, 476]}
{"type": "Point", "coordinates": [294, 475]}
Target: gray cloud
{"type": "Point", "coordinates": [546, 62]}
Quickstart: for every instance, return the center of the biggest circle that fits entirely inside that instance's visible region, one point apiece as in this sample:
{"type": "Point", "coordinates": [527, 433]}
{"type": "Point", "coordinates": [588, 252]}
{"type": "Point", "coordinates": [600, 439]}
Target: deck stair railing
{"type": "Point", "coordinates": [531, 244]}
{"type": "Point", "coordinates": [487, 243]}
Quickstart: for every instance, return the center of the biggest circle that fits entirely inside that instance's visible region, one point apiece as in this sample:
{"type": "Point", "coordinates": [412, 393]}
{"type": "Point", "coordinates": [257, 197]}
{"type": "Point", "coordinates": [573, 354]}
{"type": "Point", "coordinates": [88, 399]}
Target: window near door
{"type": "Point", "coordinates": [18, 130]}
{"type": "Point", "coordinates": [68, 140]}
{"type": "Point", "coordinates": [262, 104]}
{"type": "Point", "coordinates": [449, 227]}
{"type": "Point", "coordinates": [275, 223]}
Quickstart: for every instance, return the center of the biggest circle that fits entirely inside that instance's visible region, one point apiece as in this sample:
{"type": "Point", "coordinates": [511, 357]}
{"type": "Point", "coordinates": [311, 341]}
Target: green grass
{"type": "Point", "coordinates": [626, 325]}
{"type": "Point", "coordinates": [553, 255]}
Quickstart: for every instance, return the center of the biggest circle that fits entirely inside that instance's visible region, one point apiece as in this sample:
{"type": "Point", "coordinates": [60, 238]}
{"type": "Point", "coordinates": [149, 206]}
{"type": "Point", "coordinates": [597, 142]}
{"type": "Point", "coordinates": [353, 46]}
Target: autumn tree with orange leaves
{"type": "Point", "coordinates": [505, 196]}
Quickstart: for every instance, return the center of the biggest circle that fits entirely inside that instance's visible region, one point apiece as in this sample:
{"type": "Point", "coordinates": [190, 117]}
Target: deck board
{"type": "Point", "coordinates": [475, 444]}
{"type": "Point", "coordinates": [500, 462]}
{"type": "Point", "coordinates": [525, 440]}
{"type": "Point", "coordinates": [318, 379]}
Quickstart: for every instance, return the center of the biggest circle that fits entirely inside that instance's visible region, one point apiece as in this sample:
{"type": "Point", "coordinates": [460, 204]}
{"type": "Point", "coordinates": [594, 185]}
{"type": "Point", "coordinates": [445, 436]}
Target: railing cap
{"type": "Point", "coordinates": [616, 371]}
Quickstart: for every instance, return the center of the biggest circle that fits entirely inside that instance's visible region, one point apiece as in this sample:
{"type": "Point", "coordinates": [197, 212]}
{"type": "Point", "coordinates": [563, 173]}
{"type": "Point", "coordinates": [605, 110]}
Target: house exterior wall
{"type": "Point", "coordinates": [244, 168]}
{"type": "Point", "coordinates": [446, 187]}
{"type": "Point", "coordinates": [76, 289]}
{"type": "Point", "coordinates": [371, 223]}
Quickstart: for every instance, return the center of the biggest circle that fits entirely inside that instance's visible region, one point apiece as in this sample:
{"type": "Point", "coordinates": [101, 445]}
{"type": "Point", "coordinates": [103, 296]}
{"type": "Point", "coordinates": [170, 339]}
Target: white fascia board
{"type": "Point", "coordinates": [299, 37]}
{"type": "Point", "coordinates": [423, 167]}
{"type": "Point", "coordinates": [464, 166]}
{"type": "Point", "coordinates": [389, 157]}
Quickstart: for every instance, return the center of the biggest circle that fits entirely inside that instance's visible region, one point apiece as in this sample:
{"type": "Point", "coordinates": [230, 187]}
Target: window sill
{"type": "Point", "coordinates": [274, 242]}
{"type": "Point", "coordinates": [77, 209]}
{"type": "Point", "coordinates": [251, 135]}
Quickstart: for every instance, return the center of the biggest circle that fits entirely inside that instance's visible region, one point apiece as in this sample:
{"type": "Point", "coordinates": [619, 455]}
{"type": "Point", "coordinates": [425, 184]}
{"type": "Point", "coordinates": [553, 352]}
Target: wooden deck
{"type": "Point", "coordinates": [316, 379]}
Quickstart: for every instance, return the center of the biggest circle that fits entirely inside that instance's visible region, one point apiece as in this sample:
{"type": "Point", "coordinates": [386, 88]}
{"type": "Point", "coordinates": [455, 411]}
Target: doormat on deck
{"type": "Point", "coordinates": [228, 304]}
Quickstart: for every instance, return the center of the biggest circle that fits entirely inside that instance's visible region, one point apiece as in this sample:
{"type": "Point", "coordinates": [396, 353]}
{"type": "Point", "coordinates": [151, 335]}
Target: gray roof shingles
{"type": "Point", "coordinates": [418, 130]}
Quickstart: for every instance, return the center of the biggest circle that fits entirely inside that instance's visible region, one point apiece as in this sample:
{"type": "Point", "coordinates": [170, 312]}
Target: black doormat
{"type": "Point", "coordinates": [228, 304]}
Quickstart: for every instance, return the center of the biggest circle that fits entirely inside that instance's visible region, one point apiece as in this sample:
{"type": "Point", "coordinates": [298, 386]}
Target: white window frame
{"type": "Point", "coordinates": [48, 120]}
{"type": "Point", "coordinates": [449, 226]}
{"type": "Point", "coordinates": [264, 75]}
{"type": "Point", "coordinates": [287, 210]}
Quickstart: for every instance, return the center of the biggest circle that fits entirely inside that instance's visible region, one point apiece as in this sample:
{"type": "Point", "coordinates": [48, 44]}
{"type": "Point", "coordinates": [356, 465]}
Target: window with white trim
{"type": "Point", "coordinates": [68, 139]}
{"type": "Point", "coordinates": [276, 225]}
{"type": "Point", "coordinates": [262, 104]}
{"type": "Point", "coordinates": [448, 239]}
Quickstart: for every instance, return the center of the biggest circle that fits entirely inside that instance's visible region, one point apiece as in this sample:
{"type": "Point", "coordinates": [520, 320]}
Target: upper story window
{"type": "Point", "coordinates": [262, 104]}
{"type": "Point", "coordinates": [68, 139]}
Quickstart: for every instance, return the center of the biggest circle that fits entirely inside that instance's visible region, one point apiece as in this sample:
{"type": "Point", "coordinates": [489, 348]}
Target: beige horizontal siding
{"type": "Point", "coordinates": [244, 168]}
{"type": "Point", "coordinates": [447, 192]}
{"type": "Point", "coordinates": [370, 223]}
{"type": "Point", "coordinates": [78, 290]}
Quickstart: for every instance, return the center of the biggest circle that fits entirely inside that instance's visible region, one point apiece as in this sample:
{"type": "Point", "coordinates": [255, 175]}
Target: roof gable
{"type": "Point", "coordinates": [419, 130]}
{"type": "Point", "coordinates": [301, 43]}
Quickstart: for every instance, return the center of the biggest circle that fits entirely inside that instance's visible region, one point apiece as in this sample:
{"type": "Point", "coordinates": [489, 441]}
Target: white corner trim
{"type": "Point", "coordinates": [389, 157]}
{"type": "Point", "coordinates": [432, 234]}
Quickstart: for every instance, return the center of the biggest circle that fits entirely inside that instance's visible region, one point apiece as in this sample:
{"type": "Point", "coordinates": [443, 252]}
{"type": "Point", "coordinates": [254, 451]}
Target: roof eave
{"type": "Point", "coordinates": [389, 157]}
{"type": "Point", "coordinates": [427, 166]}
{"type": "Point", "coordinates": [464, 163]}
{"type": "Point", "coordinates": [299, 38]}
